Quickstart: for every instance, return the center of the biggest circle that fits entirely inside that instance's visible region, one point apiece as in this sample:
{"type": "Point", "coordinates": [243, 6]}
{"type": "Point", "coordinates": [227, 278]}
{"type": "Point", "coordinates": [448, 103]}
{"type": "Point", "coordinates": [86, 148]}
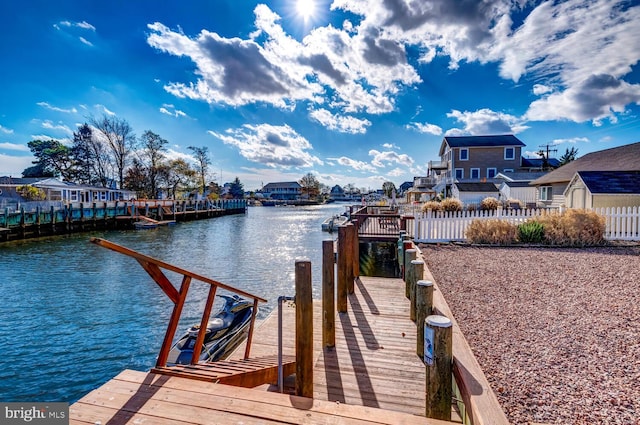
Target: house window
{"type": "Point", "coordinates": [459, 173]}
{"type": "Point", "coordinates": [491, 173]}
{"type": "Point", "coordinates": [464, 154]}
{"type": "Point", "coordinates": [546, 194]}
{"type": "Point", "coordinates": [508, 170]}
{"type": "Point", "coordinates": [475, 173]}
{"type": "Point", "coordinates": [509, 153]}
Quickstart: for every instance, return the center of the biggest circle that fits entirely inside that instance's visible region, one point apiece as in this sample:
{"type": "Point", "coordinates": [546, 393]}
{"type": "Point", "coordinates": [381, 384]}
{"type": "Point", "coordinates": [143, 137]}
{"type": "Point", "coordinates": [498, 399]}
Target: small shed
{"type": "Point", "coordinates": [599, 189]}
{"type": "Point", "coordinates": [474, 193]}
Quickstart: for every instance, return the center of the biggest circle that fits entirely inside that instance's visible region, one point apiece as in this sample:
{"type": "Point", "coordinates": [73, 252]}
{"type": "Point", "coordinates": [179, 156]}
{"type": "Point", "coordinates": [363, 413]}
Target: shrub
{"type": "Point", "coordinates": [574, 228]}
{"type": "Point", "coordinates": [431, 205]}
{"type": "Point", "coordinates": [31, 193]}
{"type": "Point", "coordinates": [489, 203]}
{"type": "Point", "coordinates": [491, 232]}
{"type": "Point", "coordinates": [531, 232]}
{"type": "Point", "coordinates": [451, 204]}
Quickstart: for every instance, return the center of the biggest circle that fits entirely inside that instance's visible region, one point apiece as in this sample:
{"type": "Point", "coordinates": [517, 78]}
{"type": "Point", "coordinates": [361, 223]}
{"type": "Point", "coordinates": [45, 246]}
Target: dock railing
{"type": "Point", "coordinates": [154, 267]}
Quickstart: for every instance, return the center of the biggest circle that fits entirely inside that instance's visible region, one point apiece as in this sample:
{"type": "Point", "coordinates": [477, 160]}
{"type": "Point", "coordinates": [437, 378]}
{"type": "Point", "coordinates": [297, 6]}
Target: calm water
{"type": "Point", "coordinates": [73, 315]}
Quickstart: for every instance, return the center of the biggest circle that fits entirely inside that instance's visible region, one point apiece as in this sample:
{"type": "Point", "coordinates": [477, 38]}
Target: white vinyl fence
{"type": "Point", "coordinates": [442, 226]}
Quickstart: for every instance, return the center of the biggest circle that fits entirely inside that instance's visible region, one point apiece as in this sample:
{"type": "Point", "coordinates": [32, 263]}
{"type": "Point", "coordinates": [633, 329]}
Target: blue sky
{"type": "Point", "coordinates": [353, 91]}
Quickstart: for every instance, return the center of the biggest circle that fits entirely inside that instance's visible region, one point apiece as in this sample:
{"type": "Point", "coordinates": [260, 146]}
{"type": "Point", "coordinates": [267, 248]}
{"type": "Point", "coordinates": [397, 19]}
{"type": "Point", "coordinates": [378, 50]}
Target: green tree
{"type": "Point", "coordinates": [52, 158]}
{"type": "Point", "coordinates": [310, 185]}
{"type": "Point", "coordinates": [236, 189]}
{"type": "Point", "coordinates": [90, 158]}
{"type": "Point", "coordinates": [178, 176]}
{"type": "Point", "coordinates": [203, 161]}
{"type": "Point", "coordinates": [137, 179]}
{"type": "Point", "coordinates": [568, 156]}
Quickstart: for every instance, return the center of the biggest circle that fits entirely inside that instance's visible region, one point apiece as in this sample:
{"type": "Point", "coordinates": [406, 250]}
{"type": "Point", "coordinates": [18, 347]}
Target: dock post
{"type": "Point", "coordinates": [351, 273]}
{"type": "Point", "coordinates": [424, 305]}
{"type": "Point", "coordinates": [328, 295]}
{"type": "Point", "coordinates": [417, 269]}
{"type": "Point", "coordinates": [342, 269]}
{"type": "Point", "coordinates": [438, 359]}
{"type": "Point", "coordinates": [356, 250]}
{"type": "Point", "coordinates": [409, 256]}
{"type": "Point", "coordinates": [406, 244]}
{"type": "Point", "coordinates": [304, 329]}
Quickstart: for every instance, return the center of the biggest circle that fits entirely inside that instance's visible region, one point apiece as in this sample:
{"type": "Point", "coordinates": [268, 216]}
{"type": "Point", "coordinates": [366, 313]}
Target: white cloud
{"type": "Point", "coordinates": [355, 164]}
{"type": "Point", "coordinates": [169, 109]}
{"type": "Point", "coordinates": [14, 165]}
{"type": "Point", "coordinates": [389, 157]}
{"type": "Point", "coordinates": [273, 146]}
{"type": "Point", "coordinates": [485, 121]}
{"type": "Point", "coordinates": [104, 109]}
{"type": "Point", "coordinates": [397, 172]}
{"type": "Point", "coordinates": [85, 41]}
{"type": "Point", "coordinates": [572, 140]}
{"type": "Point", "coordinates": [50, 125]}
{"type": "Point", "coordinates": [425, 128]}
{"type": "Point", "coordinates": [6, 130]}
{"type": "Point", "coordinates": [57, 109]}
{"type": "Point", "coordinates": [596, 98]}
{"type": "Point", "coordinates": [390, 146]}
{"type": "Point", "coordinates": [343, 124]}
{"type": "Point", "coordinates": [540, 89]}
{"type": "Point", "coordinates": [14, 147]}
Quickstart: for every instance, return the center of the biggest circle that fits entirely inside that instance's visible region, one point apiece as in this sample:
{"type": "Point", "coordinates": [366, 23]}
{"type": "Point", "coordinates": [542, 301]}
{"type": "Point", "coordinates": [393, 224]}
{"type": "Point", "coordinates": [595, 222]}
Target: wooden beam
{"type": "Point", "coordinates": [173, 323]}
{"type": "Point", "coordinates": [197, 349]}
{"type": "Point", "coordinates": [160, 278]}
{"type": "Point", "coordinates": [164, 265]}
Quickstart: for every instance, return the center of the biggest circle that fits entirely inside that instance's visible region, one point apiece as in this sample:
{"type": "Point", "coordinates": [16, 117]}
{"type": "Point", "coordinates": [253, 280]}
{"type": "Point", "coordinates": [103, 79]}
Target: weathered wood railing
{"type": "Point", "coordinates": [373, 221]}
{"type": "Point", "coordinates": [154, 268]}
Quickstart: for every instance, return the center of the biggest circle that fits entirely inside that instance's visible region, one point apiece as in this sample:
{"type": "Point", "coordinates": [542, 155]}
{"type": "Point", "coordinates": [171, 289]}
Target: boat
{"type": "Point", "coordinates": [331, 224]}
{"type": "Point", "coordinates": [225, 331]}
{"type": "Point", "coordinates": [140, 225]}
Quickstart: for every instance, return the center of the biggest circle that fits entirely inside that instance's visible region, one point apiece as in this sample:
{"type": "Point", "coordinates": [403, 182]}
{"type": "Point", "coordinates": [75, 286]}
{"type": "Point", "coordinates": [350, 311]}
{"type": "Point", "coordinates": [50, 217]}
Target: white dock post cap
{"type": "Point", "coordinates": [302, 260]}
{"type": "Point", "coordinates": [411, 250]}
{"type": "Point", "coordinates": [438, 321]}
{"type": "Point", "coordinates": [417, 262]}
{"type": "Point", "coordinates": [424, 283]}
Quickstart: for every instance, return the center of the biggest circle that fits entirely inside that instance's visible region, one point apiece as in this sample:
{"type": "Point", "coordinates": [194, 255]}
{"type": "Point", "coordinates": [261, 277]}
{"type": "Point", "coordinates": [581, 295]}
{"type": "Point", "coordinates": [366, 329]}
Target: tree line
{"type": "Point", "coordinates": [105, 151]}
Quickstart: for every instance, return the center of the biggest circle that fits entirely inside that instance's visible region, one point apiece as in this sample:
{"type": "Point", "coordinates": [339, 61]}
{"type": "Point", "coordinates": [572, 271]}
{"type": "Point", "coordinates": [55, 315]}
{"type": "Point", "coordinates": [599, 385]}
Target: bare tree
{"type": "Point", "coordinates": [90, 156]}
{"type": "Point", "coordinates": [153, 148]}
{"type": "Point", "coordinates": [120, 139]}
{"type": "Point", "coordinates": [177, 175]}
{"type": "Point", "coordinates": [202, 163]}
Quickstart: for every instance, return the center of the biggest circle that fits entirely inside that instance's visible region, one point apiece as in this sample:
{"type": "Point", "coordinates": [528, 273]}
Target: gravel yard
{"type": "Point", "coordinates": [556, 331]}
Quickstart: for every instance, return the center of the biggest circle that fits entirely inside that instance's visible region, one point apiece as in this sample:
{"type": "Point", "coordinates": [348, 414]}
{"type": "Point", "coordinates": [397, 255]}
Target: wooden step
{"type": "Point", "coordinates": [246, 373]}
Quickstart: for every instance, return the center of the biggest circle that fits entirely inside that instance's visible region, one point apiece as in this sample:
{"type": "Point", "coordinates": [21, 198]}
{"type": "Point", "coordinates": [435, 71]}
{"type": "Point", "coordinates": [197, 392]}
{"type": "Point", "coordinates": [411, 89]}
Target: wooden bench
{"type": "Point", "coordinates": [246, 373]}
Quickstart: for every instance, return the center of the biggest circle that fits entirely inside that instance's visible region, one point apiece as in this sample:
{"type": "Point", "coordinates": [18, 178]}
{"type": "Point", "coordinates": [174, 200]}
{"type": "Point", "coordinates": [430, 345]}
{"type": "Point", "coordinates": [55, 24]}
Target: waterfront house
{"type": "Point", "coordinates": [61, 191]}
{"type": "Point", "coordinates": [283, 191]}
{"type": "Point", "coordinates": [421, 190]}
{"type": "Point", "coordinates": [551, 188]}
{"type": "Point", "coordinates": [474, 159]}
{"type": "Point", "coordinates": [598, 189]}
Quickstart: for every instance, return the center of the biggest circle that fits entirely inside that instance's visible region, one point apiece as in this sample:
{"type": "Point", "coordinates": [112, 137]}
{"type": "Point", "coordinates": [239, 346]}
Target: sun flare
{"type": "Point", "coordinates": [306, 9]}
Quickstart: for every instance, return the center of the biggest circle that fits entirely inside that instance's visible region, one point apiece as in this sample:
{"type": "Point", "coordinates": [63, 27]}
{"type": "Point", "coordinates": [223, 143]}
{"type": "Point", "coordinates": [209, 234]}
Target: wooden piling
{"type": "Point", "coordinates": [343, 268]}
{"type": "Point", "coordinates": [409, 256]}
{"type": "Point", "coordinates": [351, 275]}
{"type": "Point", "coordinates": [417, 269]}
{"type": "Point", "coordinates": [424, 307]}
{"type": "Point", "coordinates": [406, 244]}
{"type": "Point", "coordinates": [328, 295]}
{"type": "Point", "coordinates": [356, 250]}
{"type": "Point", "coordinates": [304, 329]}
{"type": "Point", "coordinates": [438, 358]}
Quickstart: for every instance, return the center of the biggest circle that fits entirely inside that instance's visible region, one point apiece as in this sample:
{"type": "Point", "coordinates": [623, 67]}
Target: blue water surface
{"type": "Point", "coordinates": [73, 315]}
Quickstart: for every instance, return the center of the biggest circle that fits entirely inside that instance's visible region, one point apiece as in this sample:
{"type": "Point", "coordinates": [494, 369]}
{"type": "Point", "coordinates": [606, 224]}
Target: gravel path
{"type": "Point", "coordinates": [556, 331]}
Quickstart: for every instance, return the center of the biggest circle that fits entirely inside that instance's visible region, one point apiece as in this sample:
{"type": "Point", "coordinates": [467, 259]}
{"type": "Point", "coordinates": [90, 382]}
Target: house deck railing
{"type": "Point", "coordinates": [622, 223]}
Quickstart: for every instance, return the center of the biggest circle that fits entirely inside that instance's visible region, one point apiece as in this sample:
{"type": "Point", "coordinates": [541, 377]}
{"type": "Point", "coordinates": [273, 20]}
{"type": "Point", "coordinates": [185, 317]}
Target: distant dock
{"type": "Point", "coordinates": [24, 222]}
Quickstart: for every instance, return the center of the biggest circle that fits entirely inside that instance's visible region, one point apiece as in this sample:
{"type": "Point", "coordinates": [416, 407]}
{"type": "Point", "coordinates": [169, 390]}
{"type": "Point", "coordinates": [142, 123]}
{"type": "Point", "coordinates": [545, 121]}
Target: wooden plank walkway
{"type": "Point", "coordinates": [372, 375]}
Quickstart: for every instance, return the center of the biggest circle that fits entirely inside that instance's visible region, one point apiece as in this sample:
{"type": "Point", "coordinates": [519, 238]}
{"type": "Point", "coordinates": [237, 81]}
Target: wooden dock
{"type": "Point", "coordinates": [372, 375]}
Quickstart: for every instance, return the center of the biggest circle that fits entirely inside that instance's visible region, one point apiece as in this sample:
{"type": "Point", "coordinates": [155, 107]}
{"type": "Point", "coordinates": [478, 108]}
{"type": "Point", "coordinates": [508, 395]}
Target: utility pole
{"type": "Point", "coordinates": [544, 153]}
